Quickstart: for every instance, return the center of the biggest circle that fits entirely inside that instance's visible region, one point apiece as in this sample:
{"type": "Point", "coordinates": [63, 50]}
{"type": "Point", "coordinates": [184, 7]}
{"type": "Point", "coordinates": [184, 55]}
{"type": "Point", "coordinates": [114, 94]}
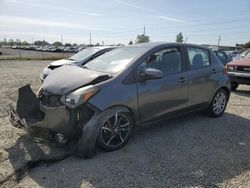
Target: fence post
{"type": "Point", "coordinates": [20, 57]}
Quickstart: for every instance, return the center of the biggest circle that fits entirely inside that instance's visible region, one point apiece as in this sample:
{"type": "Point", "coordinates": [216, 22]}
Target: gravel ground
{"type": "Point", "coordinates": [190, 151]}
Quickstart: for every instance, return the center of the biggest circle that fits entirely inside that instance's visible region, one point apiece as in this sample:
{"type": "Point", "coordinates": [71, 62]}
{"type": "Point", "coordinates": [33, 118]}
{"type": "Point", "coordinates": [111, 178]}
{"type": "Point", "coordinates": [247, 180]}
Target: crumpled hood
{"type": "Point", "coordinates": [61, 62]}
{"type": "Point", "coordinates": [68, 78]}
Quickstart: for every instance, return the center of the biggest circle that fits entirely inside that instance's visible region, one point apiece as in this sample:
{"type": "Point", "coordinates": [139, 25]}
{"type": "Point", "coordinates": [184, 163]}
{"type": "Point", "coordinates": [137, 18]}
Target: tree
{"type": "Point", "coordinates": [67, 45]}
{"type": "Point", "coordinates": [247, 45]}
{"type": "Point", "coordinates": [57, 43]}
{"type": "Point", "coordinates": [179, 37]}
{"type": "Point", "coordinates": [24, 43]}
{"type": "Point", "coordinates": [10, 42]}
{"type": "Point", "coordinates": [5, 42]}
{"type": "Point", "coordinates": [142, 38]}
{"type": "Point", "coordinates": [41, 43]}
{"type": "Point", "coordinates": [239, 44]}
{"type": "Point", "coordinates": [74, 44]}
{"type": "Point", "coordinates": [18, 42]}
{"type": "Point", "coordinates": [130, 42]}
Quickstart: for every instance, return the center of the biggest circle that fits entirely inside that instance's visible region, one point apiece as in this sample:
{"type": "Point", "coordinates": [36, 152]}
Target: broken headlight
{"type": "Point", "coordinates": [79, 96]}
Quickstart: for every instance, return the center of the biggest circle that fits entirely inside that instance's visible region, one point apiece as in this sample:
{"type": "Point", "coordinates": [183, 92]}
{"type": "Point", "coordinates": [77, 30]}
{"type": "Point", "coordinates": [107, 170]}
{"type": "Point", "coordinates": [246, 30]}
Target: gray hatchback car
{"type": "Point", "coordinates": [102, 102]}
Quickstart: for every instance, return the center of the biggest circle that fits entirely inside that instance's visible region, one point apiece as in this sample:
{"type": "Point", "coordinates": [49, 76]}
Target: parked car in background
{"type": "Point", "coordinates": [232, 54]}
{"type": "Point", "coordinates": [223, 57]}
{"type": "Point", "coordinates": [78, 59]}
{"type": "Point", "coordinates": [242, 55]}
{"type": "Point", "coordinates": [102, 102]}
{"type": "Point", "coordinates": [239, 71]}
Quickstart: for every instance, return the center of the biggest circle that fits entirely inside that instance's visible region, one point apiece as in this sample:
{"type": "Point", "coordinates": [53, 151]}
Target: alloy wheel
{"type": "Point", "coordinates": [219, 103]}
{"type": "Point", "coordinates": [115, 130]}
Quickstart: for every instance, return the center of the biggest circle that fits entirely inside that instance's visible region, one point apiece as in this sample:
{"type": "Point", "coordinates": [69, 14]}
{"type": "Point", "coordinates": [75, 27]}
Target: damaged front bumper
{"type": "Point", "coordinates": [48, 123]}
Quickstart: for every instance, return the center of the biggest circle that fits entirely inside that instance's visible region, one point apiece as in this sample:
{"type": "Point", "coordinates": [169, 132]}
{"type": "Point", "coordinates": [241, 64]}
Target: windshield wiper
{"type": "Point", "coordinates": [71, 59]}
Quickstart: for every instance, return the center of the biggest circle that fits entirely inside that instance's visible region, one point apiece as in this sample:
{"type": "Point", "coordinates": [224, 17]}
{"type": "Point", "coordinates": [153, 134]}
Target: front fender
{"type": "Point", "coordinates": [87, 142]}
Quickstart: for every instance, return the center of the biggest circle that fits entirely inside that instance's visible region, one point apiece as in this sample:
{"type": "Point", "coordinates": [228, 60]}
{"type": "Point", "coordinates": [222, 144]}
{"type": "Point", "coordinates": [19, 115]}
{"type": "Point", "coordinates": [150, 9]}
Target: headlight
{"type": "Point", "coordinates": [79, 96]}
{"type": "Point", "coordinates": [230, 67]}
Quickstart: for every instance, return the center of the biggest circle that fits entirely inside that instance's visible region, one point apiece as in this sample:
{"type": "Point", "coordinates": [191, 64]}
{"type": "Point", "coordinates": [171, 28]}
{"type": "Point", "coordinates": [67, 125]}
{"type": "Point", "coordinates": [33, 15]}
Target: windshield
{"type": "Point", "coordinates": [247, 55]}
{"type": "Point", "coordinates": [83, 54]}
{"type": "Point", "coordinates": [244, 53]}
{"type": "Point", "coordinates": [115, 60]}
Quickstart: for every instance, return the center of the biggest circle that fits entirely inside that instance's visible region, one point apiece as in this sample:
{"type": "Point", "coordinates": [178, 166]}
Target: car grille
{"type": "Point", "coordinates": [48, 99]}
{"type": "Point", "coordinates": [243, 69]}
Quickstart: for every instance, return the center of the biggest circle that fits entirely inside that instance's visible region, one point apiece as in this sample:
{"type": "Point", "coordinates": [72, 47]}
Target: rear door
{"type": "Point", "coordinates": [200, 75]}
{"type": "Point", "coordinates": [158, 97]}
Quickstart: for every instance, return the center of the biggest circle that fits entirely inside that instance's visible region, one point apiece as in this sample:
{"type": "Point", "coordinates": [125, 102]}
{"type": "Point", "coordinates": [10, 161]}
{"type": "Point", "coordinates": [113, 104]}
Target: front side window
{"type": "Point", "coordinates": [198, 58]}
{"type": "Point", "coordinates": [167, 60]}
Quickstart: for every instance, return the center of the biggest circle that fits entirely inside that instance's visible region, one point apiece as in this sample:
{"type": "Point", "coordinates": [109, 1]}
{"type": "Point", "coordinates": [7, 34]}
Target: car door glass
{"type": "Point", "coordinates": [167, 60]}
{"type": "Point", "coordinates": [198, 58]}
{"type": "Point", "coordinates": [221, 57]}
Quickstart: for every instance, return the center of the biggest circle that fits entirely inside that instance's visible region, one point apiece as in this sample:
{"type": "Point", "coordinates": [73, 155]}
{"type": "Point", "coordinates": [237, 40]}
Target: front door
{"type": "Point", "coordinates": [157, 97]}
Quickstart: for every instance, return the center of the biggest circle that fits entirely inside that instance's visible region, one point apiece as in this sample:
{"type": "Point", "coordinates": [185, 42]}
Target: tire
{"type": "Point", "coordinates": [218, 103]}
{"type": "Point", "coordinates": [115, 130]}
{"type": "Point", "coordinates": [234, 86]}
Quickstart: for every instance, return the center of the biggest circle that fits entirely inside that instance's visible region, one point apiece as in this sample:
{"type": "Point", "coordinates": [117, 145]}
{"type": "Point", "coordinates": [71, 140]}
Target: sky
{"type": "Point", "coordinates": [119, 21]}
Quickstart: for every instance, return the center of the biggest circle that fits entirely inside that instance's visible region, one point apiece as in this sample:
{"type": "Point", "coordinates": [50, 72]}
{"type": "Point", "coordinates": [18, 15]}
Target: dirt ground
{"type": "Point", "coordinates": [190, 151]}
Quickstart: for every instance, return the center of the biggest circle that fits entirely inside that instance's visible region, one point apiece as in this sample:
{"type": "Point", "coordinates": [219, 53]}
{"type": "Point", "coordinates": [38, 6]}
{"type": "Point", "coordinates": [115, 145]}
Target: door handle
{"type": "Point", "coordinates": [181, 79]}
{"type": "Point", "coordinates": [214, 71]}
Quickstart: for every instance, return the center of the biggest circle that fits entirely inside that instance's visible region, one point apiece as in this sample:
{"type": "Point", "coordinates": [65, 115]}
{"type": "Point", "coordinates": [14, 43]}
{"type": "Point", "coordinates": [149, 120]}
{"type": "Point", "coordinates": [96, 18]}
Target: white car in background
{"type": "Point", "coordinates": [79, 59]}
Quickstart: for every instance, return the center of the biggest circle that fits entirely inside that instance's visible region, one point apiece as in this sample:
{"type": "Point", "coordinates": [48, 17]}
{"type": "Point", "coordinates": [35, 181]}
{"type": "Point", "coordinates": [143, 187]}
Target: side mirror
{"type": "Point", "coordinates": [151, 73]}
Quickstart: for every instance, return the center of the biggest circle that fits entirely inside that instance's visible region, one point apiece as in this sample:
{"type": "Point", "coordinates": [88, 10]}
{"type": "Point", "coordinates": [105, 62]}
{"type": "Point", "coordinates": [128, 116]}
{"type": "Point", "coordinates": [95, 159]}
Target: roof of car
{"type": "Point", "coordinates": [103, 47]}
{"type": "Point", "coordinates": [155, 44]}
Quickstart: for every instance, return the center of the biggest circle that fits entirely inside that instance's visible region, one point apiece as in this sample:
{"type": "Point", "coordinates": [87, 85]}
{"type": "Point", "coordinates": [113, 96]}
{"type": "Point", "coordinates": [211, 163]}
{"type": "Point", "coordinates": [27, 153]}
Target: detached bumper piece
{"type": "Point", "coordinates": [40, 121]}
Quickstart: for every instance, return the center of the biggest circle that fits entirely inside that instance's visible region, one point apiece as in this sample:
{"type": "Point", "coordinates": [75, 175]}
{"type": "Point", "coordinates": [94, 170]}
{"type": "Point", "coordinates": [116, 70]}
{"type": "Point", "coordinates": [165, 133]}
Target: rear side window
{"type": "Point", "coordinates": [198, 58]}
{"type": "Point", "coordinates": [221, 57]}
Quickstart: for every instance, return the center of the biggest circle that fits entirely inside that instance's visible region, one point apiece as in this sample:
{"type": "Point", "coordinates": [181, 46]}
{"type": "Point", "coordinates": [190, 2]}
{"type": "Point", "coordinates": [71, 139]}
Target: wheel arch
{"type": "Point", "coordinates": [125, 109]}
{"type": "Point", "coordinates": [225, 88]}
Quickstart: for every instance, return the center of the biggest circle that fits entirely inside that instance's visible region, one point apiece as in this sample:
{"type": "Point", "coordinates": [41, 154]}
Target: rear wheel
{"type": "Point", "coordinates": [115, 131]}
{"type": "Point", "coordinates": [234, 86]}
{"type": "Point", "coordinates": [218, 103]}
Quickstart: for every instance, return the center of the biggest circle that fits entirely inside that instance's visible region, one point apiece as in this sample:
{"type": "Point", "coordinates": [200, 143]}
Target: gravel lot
{"type": "Point", "coordinates": [190, 151]}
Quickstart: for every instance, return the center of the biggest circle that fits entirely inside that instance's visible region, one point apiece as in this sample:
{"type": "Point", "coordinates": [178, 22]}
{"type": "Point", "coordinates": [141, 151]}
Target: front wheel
{"type": "Point", "coordinates": [218, 103]}
{"type": "Point", "coordinates": [115, 131]}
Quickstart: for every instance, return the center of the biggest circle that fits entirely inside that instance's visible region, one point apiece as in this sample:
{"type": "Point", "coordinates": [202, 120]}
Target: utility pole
{"type": "Point", "coordinates": [90, 39]}
{"type": "Point", "coordinates": [144, 30]}
{"type": "Point", "coordinates": [219, 42]}
{"type": "Point", "coordinates": [62, 39]}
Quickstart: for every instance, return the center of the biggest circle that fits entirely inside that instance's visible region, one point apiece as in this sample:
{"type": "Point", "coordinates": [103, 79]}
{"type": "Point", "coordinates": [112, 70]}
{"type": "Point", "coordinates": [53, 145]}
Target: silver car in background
{"type": "Point", "coordinates": [78, 59]}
